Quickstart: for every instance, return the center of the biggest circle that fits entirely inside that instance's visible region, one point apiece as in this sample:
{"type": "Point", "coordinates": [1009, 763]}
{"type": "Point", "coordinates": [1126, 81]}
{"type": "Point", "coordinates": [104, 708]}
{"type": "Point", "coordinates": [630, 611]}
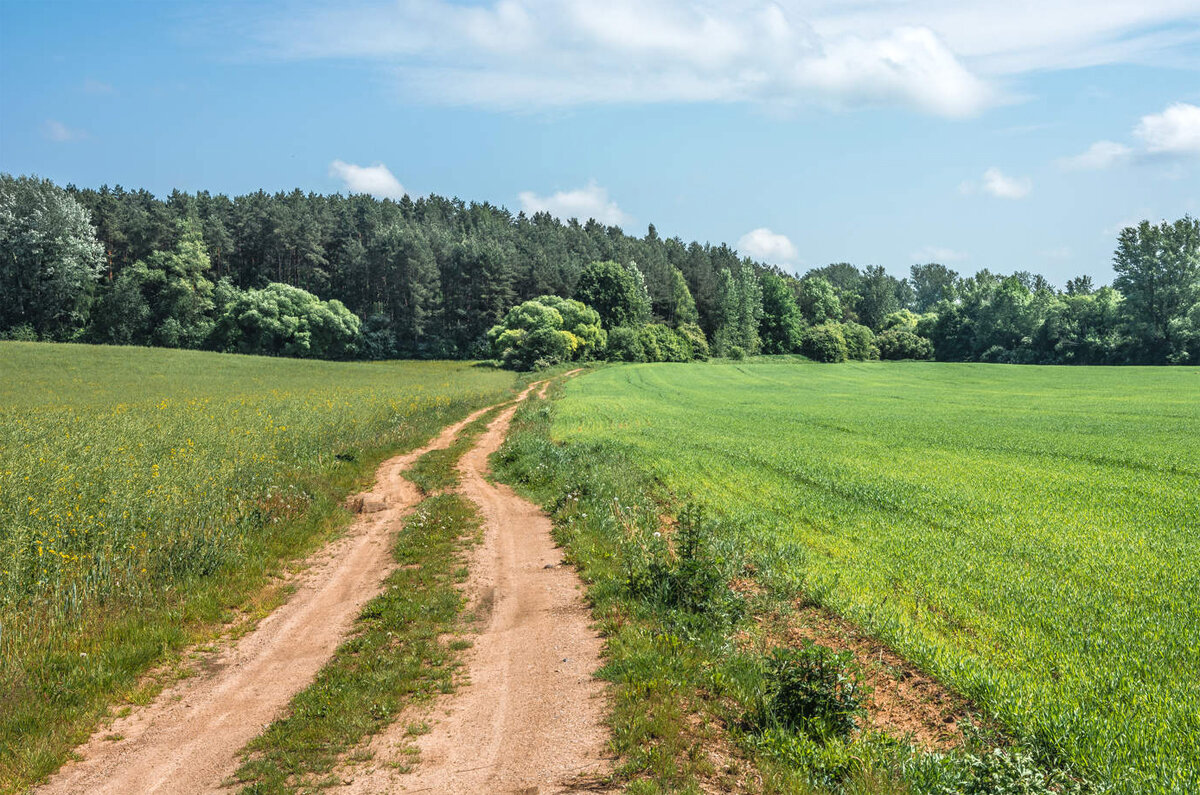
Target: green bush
{"type": "Point", "coordinates": [824, 343]}
{"type": "Point", "coordinates": [813, 690]}
{"type": "Point", "coordinates": [695, 337]}
{"type": "Point", "coordinates": [690, 578]}
{"type": "Point", "coordinates": [625, 345]}
{"type": "Point", "coordinates": [860, 342]}
{"type": "Point", "coordinates": [662, 343]}
{"type": "Point", "coordinates": [545, 331]}
{"type": "Point", "coordinates": [900, 344]}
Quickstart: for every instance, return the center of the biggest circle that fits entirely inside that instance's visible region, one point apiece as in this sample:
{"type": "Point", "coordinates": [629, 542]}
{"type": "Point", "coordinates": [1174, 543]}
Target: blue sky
{"type": "Point", "coordinates": [1010, 135]}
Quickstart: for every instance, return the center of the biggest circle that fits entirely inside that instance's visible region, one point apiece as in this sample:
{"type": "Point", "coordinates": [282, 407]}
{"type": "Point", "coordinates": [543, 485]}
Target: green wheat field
{"type": "Point", "coordinates": [1030, 535]}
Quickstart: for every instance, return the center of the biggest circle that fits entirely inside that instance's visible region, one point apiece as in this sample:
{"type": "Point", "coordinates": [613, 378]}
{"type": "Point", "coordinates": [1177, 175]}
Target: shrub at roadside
{"type": "Point", "coordinates": [546, 331]}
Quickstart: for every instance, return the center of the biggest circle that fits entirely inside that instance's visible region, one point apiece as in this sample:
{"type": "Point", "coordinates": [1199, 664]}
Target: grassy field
{"type": "Point", "coordinates": [148, 494]}
{"type": "Point", "coordinates": [1030, 535]}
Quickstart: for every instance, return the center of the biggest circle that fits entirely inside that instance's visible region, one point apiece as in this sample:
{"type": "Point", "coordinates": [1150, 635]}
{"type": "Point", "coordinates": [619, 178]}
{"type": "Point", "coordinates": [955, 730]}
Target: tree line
{"type": "Point", "coordinates": [332, 276]}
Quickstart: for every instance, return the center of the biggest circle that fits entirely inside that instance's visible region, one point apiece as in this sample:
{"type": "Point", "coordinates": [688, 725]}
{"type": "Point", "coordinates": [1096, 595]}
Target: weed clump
{"type": "Point", "coordinates": [690, 578]}
{"type": "Point", "coordinates": [811, 689]}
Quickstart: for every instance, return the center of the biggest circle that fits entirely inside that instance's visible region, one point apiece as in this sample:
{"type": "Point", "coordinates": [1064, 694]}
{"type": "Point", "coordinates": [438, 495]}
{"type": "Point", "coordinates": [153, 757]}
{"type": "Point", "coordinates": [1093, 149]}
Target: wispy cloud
{"type": "Point", "coordinates": [996, 183]}
{"type": "Point", "coordinates": [591, 201]}
{"type": "Point", "coordinates": [767, 246]}
{"type": "Point", "coordinates": [520, 54]}
{"type": "Point", "coordinates": [375, 180]}
{"type": "Point", "coordinates": [60, 133]}
{"type": "Point", "coordinates": [935, 56]}
{"type": "Point", "coordinates": [1100, 155]}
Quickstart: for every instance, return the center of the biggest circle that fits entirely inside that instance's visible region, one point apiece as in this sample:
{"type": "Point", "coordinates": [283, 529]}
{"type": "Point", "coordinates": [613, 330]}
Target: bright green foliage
{"type": "Point", "coordinates": [879, 296]}
{"type": "Point", "coordinates": [860, 342]}
{"type": "Point", "coordinates": [661, 343]}
{"type": "Point", "coordinates": [1158, 272]}
{"type": "Point", "coordinates": [781, 324]}
{"type": "Point", "coordinates": [824, 343]}
{"type": "Point", "coordinates": [49, 259]}
{"type": "Point", "coordinates": [932, 283]}
{"type": "Point", "coordinates": [618, 293]}
{"type": "Point", "coordinates": [897, 343]}
{"type": "Point", "coordinates": [164, 301]}
{"type": "Point", "coordinates": [546, 331]}
{"type": "Point", "coordinates": [656, 342]}
{"type": "Point", "coordinates": [140, 489]}
{"type": "Point", "coordinates": [625, 345]}
{"type": "Point", "coordinates": [695, 337]}
{"type": "Point", "coordinates": [682, 305]}
{"type": "Point", "coordinates": [740, 300]}
{"type": "Point", "coordinates": [813, 690]}
{"type": "Point", "coordinates": [818, 302]}
{"type": "Point", "coordinates": [1028, 535]}
{"type": "Point", "coordinates": [280, 320]}
{"type": "Point", "coordinates": [901, 320]}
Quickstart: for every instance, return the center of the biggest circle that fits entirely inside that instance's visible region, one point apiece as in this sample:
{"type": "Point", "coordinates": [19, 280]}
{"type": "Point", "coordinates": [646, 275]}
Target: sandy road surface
{"type": "Point", "coordinates": [187, 740]}
{"type": "Point", "coordinates": [531, 718]}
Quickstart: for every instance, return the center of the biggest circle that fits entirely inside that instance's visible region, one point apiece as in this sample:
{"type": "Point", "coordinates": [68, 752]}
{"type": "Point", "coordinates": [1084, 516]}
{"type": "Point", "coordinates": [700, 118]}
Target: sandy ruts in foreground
{"type": "Point", "coordinates": [531, 718]}
{"type": "Point", "coordinates": [187, 740]}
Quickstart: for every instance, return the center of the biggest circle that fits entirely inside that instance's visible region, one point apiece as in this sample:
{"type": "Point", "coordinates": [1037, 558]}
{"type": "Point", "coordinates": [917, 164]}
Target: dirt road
{"type": "Point", "coordinates": [531, 718]}
{"type": "Point", "coordinates": [187, 740]}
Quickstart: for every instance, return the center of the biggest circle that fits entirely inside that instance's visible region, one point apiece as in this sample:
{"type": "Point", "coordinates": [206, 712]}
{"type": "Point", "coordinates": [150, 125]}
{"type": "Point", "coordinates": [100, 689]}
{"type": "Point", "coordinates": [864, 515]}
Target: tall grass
{"type": "Point", "coordinates": [143, 492]}
{"type": "Point", "coordinates": [1030, 535]}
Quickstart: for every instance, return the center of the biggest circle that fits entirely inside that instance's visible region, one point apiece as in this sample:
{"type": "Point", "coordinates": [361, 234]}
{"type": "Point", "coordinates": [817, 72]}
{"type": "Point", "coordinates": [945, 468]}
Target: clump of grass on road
{"type": "Point", "coordinates": [396, 657]}
{"type": "Point", "coordinates": [437, 470]}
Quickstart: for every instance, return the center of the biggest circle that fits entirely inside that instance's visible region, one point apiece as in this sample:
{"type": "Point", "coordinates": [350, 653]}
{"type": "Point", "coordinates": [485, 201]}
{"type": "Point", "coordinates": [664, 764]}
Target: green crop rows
{"type": "Point", "coordinates": [1030, 535]}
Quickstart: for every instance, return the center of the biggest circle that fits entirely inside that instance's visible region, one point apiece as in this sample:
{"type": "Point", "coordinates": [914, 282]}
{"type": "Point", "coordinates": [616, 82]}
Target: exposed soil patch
{"type": "Point", "coordinates": [904, 701]}
{"type": "Point", "coordinates": [187, 740]}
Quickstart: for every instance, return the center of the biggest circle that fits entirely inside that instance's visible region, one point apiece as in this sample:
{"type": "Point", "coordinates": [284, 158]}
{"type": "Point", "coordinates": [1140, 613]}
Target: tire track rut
{"type": "Point", "coordinates": [187, 740]}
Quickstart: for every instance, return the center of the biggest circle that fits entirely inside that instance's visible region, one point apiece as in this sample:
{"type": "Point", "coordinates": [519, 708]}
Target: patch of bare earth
{"type": "Point", "coordinates": [530, 716]}
{"type": "Point", "coordinates": [904, 702]}
{"type": "Point", "coordinates": [187, 740]}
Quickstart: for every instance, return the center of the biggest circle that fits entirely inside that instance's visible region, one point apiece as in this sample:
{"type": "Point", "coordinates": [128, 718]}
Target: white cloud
{"type": "Point", "coordinates": [522, 54]}
{"type": "Point", "coordinates": [938, 56]}
{"type": "Point", "coordinates": [591, 201]}
{"type": "Point", "coordinates": [767, 246]}
{"type": "Point", "coordinates": [937, 254]}
{"type": "Point", "coordinates": [997, 183]}
{"type": "Point", "coordinates": [61, 133]}
{"type": "Point", "coordinates": [375, 180]}
{"type": "Point", "coordinates": [1174, 131]}
{"type": "Point", "coordinates": [1100, 155]}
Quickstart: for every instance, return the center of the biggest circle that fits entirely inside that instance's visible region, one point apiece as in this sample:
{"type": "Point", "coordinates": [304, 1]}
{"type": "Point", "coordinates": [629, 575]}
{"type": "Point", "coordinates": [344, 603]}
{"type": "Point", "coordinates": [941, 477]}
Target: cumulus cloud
{"type": "Point", "coordinates": [591, 201]}
{"type": "Point", "coordinates": [1175, 131]}
{"type": "Point", "coordinates": [521, 54]}
{"type": "Point", "coordinates": [767, 246]}
{"type": "Point", "coordinates": [937, 254]}
{"type": "Point", "coordinates": [1100, 155]}
{"type": "Point", "coordinates": [61, 133]}
{"type": "Point", "coordinates": [997, 183]}
{"type": "Point", "coordinates": [375, 180]}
